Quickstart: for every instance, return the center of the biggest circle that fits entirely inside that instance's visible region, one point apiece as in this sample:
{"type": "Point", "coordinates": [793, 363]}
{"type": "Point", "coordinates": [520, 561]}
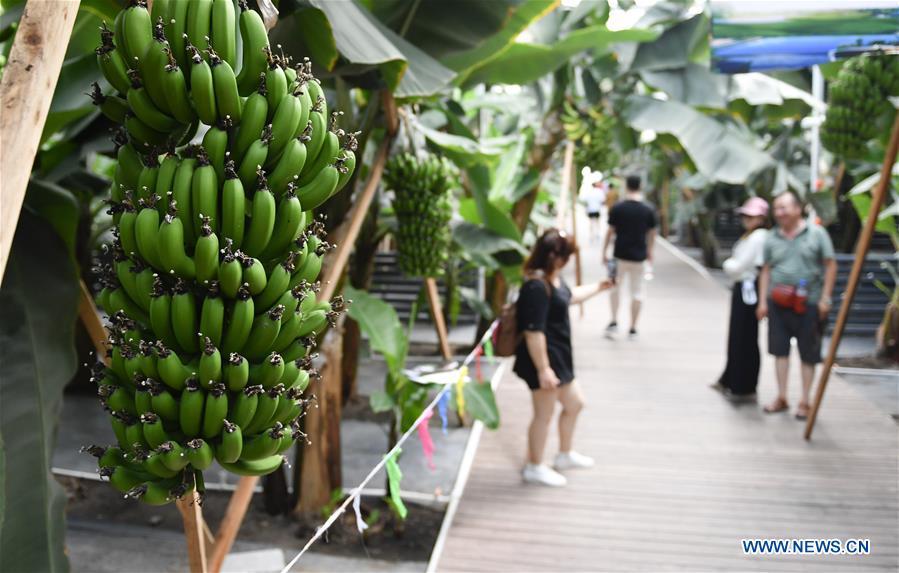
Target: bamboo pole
{"type": "Point", "coordinates": [192, 517]}
{"type": "Point", "coordinates": [26, 90]}
{"type": "Point", "coordinates": [567, 166]}
{"type": "Point", "coordinates": [234, 514]}
{"type": "Point", "coordinates": [437, 316]}
{"type": "Point", "coordinates": [861, 250]}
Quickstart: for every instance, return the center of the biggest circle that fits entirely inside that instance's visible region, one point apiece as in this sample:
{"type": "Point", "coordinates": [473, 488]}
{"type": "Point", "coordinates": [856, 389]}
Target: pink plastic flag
{"type": "Point", "coordinates": [427, 444]}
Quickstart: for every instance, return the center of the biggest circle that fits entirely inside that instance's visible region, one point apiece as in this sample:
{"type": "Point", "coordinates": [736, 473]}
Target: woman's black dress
{"type": "Point", "coordinates": [743, 358]}
{"type": "Point", "coordinates": [538, 310]}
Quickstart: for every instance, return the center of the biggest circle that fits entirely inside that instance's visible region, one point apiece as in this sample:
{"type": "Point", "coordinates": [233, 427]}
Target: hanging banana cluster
{"type": "Point", "coordinates": [593, 136]}
{"type": "Point", "coordinates": [856, 99]}
{"type": "Point", "coordinates": [423, 193]}
{"type": "Point", "coordinates": [210, 283]}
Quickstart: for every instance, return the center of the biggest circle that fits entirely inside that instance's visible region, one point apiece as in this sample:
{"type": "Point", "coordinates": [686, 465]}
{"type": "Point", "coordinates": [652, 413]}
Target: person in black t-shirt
{"type": "Point", "coordinates": [632, 224]}
{"type": "Point", "coordinates": [543, 357]}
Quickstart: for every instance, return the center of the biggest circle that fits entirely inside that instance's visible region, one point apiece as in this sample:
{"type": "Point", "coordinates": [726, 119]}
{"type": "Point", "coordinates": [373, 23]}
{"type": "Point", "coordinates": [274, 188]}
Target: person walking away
{"type": "Point", "coordinates": [543, 357]}
{"type": "Point", "coordinates": [741, 373]}
{"type": "Point", "coordinates": [797, 278]}
{"type": "Point", "coordinates": [632, 226]}
{"type": "Point", "coordinates": [594, 198]}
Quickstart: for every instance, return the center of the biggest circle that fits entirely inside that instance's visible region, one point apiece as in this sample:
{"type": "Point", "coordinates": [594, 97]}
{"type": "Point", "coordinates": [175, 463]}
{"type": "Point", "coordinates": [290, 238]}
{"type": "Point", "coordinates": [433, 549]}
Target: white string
{"type": "Point", "coordinates": [358, 489]}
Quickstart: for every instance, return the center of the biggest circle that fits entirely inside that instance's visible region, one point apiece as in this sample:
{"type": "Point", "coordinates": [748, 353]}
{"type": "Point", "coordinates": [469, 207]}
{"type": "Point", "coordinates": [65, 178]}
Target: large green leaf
{"type": "Point", "coordinates": [466, 151]}
{"type": "Point", "coordinates": [461, 32]}
{"type": "Point", "coordinates": [331, 30]}
{"type": "Point", "coordinates": [481, 403]}
{"type": "Point", "coordinates": [674, 48]}
{"type": "Point", "coordinates": [517, 21]}
{"type": "Point", "coordinates": [524, 63]}
{"type": "Point", "coordinates": [718, 152]}
{"type": "Point", "coordinates": [57, 206]}
{"type": "Point", "coordinates": [761, 89]}
{"type": "Point", "coordinates": [693, 84]}
{"type": "Point", "coordinates": [38, 307]}
{"type": "Point", "coordinates": [379, 322]}
{"type": "Point", "coordinates": [483, 241]}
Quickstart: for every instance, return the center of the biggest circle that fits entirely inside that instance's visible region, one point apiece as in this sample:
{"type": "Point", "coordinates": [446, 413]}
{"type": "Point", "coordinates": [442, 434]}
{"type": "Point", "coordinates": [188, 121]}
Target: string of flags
{"type": "Point", "coordinates": [389, 461]}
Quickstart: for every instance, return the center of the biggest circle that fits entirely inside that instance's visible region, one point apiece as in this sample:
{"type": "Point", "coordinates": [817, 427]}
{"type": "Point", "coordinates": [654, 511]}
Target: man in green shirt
{"type": "Point", "coordinates": [797, 281]}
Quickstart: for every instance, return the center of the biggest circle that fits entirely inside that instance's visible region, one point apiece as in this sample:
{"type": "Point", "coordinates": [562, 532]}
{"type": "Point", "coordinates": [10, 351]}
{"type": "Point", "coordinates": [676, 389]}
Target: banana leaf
{"type": "Point", "coordinates": [379, 321]}
{"type": "Point", "coordinates": [674, 48]}
{"type": "Point", "coordinates": [718, 152]}
{"type": "Point", "coordinates": [524, 63]}
{"type": "Point", "coordinates": [38, 308]}
{"type": "Point", "coordinates": [692, 84]}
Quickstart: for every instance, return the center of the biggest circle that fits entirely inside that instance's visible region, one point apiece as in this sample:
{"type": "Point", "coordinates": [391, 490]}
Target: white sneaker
{"type": "Point", "coordinates": [611, 331]}
{"type": "Point", "coordinates": [572, 460]}
{"type": "Point", "coordinates": [542, 474]}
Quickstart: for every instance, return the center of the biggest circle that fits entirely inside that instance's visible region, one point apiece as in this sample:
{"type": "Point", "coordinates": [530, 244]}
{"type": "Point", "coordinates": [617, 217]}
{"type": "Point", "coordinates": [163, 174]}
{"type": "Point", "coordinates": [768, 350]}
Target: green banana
{"type": "Point", "coordinates": [215, 143]}
{"type": "Point", "coordinates": [289, 221]}
{"type": "Point", "coordinates": [288, 167]}
{"type": "Point", "coordinates": [262, 222]}
{"type": "Point", "coordinates": [285, 121]}
{"type": "Point", "coordinates": [204, 194]}
{"type": "Point", "coordinates": [268, 372]}
{"type": "Point", "coordinates": [112, 62]}
{"type": "Point", "coordinates": [251, 165]}
{"type": "Point", "coordinates": [253, 120]}
{"type": "Point", "coordinates": [253, 275]}
{"type": "Point", "coordinates": [163, 404]}
{"type": "Point", "coordinates": [210, 368]}
{"type": "Point", "coordinates": [152, 68]}
{"type": "Point", "coordinates": [190, 413]}
{"type": "Point", "coordinates": [154, 433]}
{"type": "Point", "coordinates": [177, 33]}
{"type": "Point", "coordinates": [146, 111]}
{"type": "Point", "coordinates": [175, 88]}
{"type": "Point", "coordinates": [263, 445]}
{"type": "Point", "coordinates": [255, 42]}
{"type": "Point", "coordinates": [215, 410]}
{"type": "Point", "coordinates": [263, 334]}
{"type": "Point", "coordinates": [317, 191]}
{"type": "Point", "coordinates": [212, 314]}
{"type": "Point", "coordinates": [146, 232]}
{"type": "Point", "coordinates": [233, 207]}
{"type": "Point", "coordinates": [206, 253]}
{"type": "Point", "coordinates": [227, 98]}
{"type": "Point", "coordinates": [240, 322]}
{"type": "Point", "coordinates": [181, 195]}
{"type": "Point", "coordinates": [236, 373]}
{"type": "Point", "coordinates": [172, 256]}
{"type": "Point", "coordinates": [172, 371]}
{"type": "Point", "coordinates": [224, 30]}
{"type": "Point", "coordinates": [112, 106]}
{"type": "Point", "coordinates": [261, 467]}
{"type": "Point", "coordinates": [230, 273]}
{"type": "Point", "coordinates": [244, 406]}
{"type": "Point", "coordinates": [136, 31]}
{"type": "Point", "coordinates": [202, 88]}
{"type": "Point", "coordinates": [199, 23]}
{"type": "Point", "coordinates": [172, 455]}
{"type": "Point", "coordinates": [199, 454]}
{"type": "Point", "coordinates": [184, 317]}
{"type": "Point", "coordinates": [231, 445]}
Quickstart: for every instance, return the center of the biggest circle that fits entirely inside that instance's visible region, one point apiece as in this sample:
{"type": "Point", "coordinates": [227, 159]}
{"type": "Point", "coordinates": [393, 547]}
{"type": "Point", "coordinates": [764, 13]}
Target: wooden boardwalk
{"type": "Point", "coordinates": [682, 476]}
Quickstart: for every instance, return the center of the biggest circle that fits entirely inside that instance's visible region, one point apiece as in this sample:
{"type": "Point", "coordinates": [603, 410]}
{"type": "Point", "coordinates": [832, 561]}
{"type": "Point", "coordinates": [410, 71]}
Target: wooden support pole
{"type": "Point", "coordinates": [861, 250]}
{"type": "Point", "coordinates": [234, 514]}
{"type": "Point", "coordinates": [90, 318]}
{"type": "Point", "coordinates": [29, 80]}
{"type": "Point", "coordinates": [578, 269]}
{"type": "Point", "coordinates": [437, 316]}
{"type": "Point", "coordinates": [192, 516]}
{"type": "Point", "coordinates": [567, 166]}
{"type": "Point", "coordinates": [346, 234]}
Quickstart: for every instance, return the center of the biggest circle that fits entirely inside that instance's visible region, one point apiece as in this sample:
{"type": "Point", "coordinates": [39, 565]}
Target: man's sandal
{"type": "Point", "coordinates": [779, 405]}
{"type": "Point", "coordinates": [802, 411]}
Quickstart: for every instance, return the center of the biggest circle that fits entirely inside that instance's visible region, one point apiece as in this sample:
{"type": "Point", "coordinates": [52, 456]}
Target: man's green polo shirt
{"type": "Point", "coordinates": [801, 257]}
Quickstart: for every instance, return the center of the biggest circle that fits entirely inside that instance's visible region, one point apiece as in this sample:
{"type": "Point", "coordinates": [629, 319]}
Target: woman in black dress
{"type": "Point", "coordinates": [543, 357]}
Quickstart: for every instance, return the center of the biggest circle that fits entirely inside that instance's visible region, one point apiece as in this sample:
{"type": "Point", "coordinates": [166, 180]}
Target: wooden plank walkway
{"type": "Point", "coordinates": [682, 476]}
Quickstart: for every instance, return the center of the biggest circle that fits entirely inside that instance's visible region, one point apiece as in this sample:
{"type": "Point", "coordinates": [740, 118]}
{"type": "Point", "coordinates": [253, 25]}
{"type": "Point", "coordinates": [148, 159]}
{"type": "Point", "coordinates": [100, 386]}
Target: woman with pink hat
{"type": "Point", "coordinates": [743, 359]}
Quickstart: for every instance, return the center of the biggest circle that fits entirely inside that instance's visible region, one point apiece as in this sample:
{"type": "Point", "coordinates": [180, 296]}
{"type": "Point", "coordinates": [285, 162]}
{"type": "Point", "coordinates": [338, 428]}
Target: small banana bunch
{"type": "Point", "coordinates": [857, 99]}
{"type": "Point", "coordinates": [210, 283]}
{"type": "Point", "coordinates": [592, 134]}
{"type": "Point", "coordinates": [423, 193]}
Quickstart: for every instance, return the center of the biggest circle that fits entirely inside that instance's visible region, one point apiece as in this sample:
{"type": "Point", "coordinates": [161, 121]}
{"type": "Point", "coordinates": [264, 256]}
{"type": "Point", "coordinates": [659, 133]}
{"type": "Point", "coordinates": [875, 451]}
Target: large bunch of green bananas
{"type": "Point", "coordinates": [856, 101]}
{"type": "Point", "coordinates": [422, 199]}
{"type": "Point", "coordinates": [210, 283]}
{"type": "Point", "coordinates": [593, 136]}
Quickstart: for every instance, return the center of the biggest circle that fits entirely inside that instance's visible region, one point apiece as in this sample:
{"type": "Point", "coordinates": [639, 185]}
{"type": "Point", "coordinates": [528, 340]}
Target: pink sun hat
{"type": "Point", "coordinates": [754, 207]}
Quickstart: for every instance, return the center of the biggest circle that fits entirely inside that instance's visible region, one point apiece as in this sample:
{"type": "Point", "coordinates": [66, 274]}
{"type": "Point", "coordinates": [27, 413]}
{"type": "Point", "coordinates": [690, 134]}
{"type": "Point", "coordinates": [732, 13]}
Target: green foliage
{"type": "Point", "coordinates": [38, 306]}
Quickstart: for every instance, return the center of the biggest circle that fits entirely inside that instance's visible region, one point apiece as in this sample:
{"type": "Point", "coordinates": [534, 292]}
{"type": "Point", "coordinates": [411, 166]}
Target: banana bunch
{"type": "Point", "coordinates": [210, 281]}
{"type": "Point", "coordinates": [592, 134]}
{"type": "Point", "coordinates": [423, 193]}
{"type": "Point", "coordinates": [857, 99]}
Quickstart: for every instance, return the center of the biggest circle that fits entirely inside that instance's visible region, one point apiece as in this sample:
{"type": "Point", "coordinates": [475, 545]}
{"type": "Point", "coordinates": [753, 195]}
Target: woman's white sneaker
{"type": "Point", "coordinates": [542, 474]}
{"type": "Point", "coordinates": [572, 460]}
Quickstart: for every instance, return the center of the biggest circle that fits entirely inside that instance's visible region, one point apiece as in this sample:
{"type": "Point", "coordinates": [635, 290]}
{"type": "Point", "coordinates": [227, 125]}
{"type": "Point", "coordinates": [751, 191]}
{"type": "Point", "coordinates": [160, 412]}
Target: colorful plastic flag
{"type": "Point", "coordinates": [488, 348]}
{"type": "Point", "coordinates": [394, 477]}
{"type": "Point", "coordinates": [442, 406]}
{"type": "Point", "coordinates": [360, 523]}
{"type": "Point", "coordinates": [424, 434]}
{"type": "Point", "coordinates": [460, 395]}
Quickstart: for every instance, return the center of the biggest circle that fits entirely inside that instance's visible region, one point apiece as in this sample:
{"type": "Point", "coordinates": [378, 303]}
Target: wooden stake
{"type": "Point", "coordinates": [437, 316]}
{"type": "Point", "coordinates": [861, 250]}
{"type": "Point", "coordinates": [237, 509]}
{"type": "Point", "coordinates": [567, 166]}
{"type": "Point", "coordinates": [192, 516]}
{"type": "Point", "coordinates": [90, 318]}
{"type": "Point", "coordinates": [26, 90]}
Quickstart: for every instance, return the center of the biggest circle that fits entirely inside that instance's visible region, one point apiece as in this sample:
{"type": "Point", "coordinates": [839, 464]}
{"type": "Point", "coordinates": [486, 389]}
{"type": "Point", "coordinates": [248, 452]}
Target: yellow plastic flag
{"type": "Point", "coordinates": [460, 395]}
